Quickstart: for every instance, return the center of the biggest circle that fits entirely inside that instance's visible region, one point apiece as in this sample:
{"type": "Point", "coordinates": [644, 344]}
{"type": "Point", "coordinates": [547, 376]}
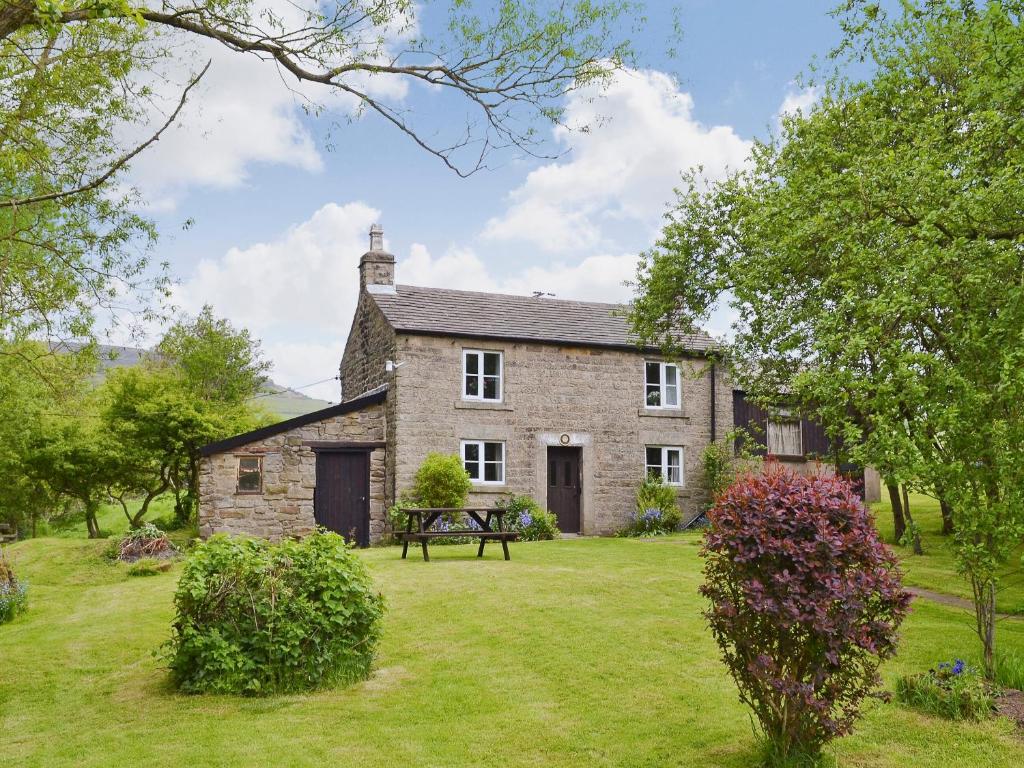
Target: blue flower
{"type": "Point", "coordinates": [958, 667]}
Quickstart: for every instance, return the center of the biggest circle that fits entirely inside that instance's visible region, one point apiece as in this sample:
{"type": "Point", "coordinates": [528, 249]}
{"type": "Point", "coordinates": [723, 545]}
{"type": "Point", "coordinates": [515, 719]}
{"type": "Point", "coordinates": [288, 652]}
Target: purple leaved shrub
{"type": "Point", "coordinates": [805, 604]}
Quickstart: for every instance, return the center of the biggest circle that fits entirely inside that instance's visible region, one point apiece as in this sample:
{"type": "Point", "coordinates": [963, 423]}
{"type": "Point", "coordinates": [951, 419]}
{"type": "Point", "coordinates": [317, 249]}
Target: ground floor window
{"type": "Point", "coordinates": [666, 462]}
{"type": "Point", "coordinates": [484, 461]}
{"type": "Point", "coordinates": [250, 474]}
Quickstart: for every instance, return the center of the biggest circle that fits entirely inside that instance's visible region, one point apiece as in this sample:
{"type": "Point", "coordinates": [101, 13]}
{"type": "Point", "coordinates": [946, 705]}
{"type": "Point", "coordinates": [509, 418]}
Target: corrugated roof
{"type": "Point", "coordinates": [447, 312]}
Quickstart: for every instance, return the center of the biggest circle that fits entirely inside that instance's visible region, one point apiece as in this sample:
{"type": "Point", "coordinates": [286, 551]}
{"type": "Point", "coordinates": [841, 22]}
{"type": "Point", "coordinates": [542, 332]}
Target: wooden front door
{"type": "Point", "coordinates": [341, 501]}
{"type": "Point", "coordinates": [564, 487]}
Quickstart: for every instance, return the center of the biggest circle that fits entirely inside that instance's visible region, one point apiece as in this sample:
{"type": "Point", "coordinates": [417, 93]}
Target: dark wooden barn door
{"type": "Point", "coordinates": [564, 487]}
{"type": "Point", "coordinates": [341, 502]}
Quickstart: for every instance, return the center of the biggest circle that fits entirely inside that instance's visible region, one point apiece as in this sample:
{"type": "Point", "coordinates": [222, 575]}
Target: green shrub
{"type": "Point", "coordinates": [441, 481]}
{"type": "Point", "coordinates": [13, 592]}
{"type": "Point", "coordinates": [258, 618]}
{"type": "Point", "coordinates": [656, 509]}
{"type": "Point", "coordinates": [718, 464]}
{"type": "Point", "coordinates": [951, 690]}
{"type": "Point", "coordinates": [529, 519]}
{"type": "Point", "coordinates": [1010, 671]}
{"type": "Point", "coordinates": [148, 566]}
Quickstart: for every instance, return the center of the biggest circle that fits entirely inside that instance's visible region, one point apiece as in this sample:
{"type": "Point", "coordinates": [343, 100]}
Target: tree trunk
{"type": "Point", "coordinates": [914, 530]}
{"type": "Point", "coordinates": [91, 523]}
{"type": "Point", "coordinates": [150, 495]}
{"type": "Point", "coordinates": [985, 618]}
{"type": "Point", "coordinates": [898, 521]}
{"type": "Point", "coordinates": [947, 515]}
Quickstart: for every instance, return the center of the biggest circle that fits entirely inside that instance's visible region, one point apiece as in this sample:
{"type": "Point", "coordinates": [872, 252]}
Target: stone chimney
{"type": "Point", "coordinates": [377, 266]}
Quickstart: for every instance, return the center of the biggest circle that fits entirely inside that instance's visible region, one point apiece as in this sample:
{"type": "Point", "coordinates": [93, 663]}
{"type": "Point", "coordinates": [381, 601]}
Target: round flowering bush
{"type": "Point", "coordinates": [656, 509]}
{"type": "Point", "coordinates": [256, 618]}
{"type": "Point", "coordinates": [527, 518]}
{"type": "Point", "coordinates": [805, 604]}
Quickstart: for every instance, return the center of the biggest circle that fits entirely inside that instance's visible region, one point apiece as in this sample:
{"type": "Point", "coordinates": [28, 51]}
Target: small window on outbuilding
{"type": "Point", "coordinates": [250, 474]}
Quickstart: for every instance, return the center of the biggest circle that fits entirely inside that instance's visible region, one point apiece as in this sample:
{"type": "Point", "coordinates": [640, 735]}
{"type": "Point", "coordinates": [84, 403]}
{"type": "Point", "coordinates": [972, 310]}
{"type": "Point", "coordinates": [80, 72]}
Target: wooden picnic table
{"type": "Point", "coordinates": [485, 518]}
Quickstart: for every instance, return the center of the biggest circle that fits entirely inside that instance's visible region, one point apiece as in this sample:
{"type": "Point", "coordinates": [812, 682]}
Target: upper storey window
{"type": "Point", "coordinates": [481, 375]}
{"type": "Point", "coordinates": [661, 388]}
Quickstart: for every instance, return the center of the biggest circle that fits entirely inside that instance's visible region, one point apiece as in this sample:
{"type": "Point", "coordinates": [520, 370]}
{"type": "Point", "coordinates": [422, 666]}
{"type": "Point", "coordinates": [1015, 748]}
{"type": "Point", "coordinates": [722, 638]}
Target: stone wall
{"type": "Point", "coordinates": [596, 396]}
{"type": "Point", "coordinates": [285, 506]}
{"type": "Point", "coordinates": [370, 343]}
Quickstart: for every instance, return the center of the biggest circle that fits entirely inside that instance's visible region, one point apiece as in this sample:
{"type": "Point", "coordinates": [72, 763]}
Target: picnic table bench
{"type": "Point", "coordinates": [425, 519]}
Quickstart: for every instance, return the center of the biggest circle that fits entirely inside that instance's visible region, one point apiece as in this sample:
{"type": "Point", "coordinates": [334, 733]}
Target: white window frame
{"type": "Point", "coordinates": [779, 417]}
{"type": "Point", "coordinates": [479, 353]}
{"type": "Point", "coordinates": [663, 468]}
{"type": "Point", "coordinates": [482, 453]}
{"type": "Point", "coordinates": [663, 386]}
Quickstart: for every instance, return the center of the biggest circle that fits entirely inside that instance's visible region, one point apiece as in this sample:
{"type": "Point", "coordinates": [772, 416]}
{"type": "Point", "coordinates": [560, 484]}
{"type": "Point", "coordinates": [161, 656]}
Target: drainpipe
{"type": "Point", "coordinates": [714, 415]}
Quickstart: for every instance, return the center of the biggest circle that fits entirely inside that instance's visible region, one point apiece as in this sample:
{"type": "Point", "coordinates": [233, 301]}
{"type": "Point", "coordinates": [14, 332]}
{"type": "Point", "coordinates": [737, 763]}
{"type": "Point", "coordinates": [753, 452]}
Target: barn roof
{"type": "Point", "coordinates": [471, 314]}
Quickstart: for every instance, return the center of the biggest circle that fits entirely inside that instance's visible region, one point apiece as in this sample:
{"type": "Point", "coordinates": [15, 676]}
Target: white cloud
{"type": "Point", "coordinates": [798, 101]}
{"type": "Point", "coordinates": [244, 112]}
{"type": "Point", "coordinates": [619, 174]}
{"type": "Point", "coordinates": [297, 292]}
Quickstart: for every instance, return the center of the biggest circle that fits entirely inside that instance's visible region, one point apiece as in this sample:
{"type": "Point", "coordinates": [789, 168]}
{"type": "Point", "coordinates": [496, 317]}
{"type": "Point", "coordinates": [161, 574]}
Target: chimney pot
{"type": "Point", "coordinates": [376, 238]}
{"type": "Point", "coordinates": [377, 266]}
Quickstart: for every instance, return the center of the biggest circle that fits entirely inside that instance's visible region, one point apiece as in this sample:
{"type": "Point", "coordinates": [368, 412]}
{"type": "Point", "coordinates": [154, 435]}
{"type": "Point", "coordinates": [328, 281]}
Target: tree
{"type": "Point", "coordinates": [216, 362]}
{"type": "Point", "coordinates": [77, 461]}
{"type": "Point", "coordinates": [872, 253]}
{"type": "Point", "coordinates": [158, 425]}
{"type": "Point", "coordinates": [29, 402]}
{"type": "Point", "coordinates": [72, 242]}
{"type": "Point", "coordinates": [219, 371]}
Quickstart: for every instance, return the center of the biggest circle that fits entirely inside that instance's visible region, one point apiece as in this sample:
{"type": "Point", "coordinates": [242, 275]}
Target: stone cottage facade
{"type": "Point", "coordinates": [539, 396]}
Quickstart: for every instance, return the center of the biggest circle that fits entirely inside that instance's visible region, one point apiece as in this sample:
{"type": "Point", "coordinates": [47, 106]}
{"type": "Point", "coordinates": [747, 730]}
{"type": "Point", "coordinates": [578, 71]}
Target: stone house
{"type": "Point", "coordinates": [539, 396]}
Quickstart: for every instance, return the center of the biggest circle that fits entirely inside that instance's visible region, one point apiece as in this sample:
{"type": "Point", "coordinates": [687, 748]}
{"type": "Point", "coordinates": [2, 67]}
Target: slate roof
{"type": "Point", "coordinates": [372, 397]}
{"type": "Point", "coordinates": [471, 314]}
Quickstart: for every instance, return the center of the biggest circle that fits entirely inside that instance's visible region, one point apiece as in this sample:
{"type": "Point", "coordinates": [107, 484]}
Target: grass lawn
{"type": "Point", "coordinates": [577, 652]}
{"type": "Point", "coordinates": [936, 569]}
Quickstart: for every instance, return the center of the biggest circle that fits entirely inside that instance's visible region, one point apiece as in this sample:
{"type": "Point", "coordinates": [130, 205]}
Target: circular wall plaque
{"type": "Point", "coordinates": [564, 439]}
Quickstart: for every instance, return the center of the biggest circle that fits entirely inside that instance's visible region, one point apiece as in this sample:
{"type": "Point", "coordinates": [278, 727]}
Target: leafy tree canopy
{"type": "Point", "coordinates": [873, 253]}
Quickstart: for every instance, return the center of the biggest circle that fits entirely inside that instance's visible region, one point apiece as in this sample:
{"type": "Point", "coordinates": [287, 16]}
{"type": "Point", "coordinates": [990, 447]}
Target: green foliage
{"type": "Point", "coordinates": [871, 252]}
{"type": "Point", "coordinates": [529, 519]}
{"type": "Point", "coordinates": [441, 482]}
{"type": "Point", "coordinates": [657, 511]}
{"type": "Point", "coordinates": [1009, 671]}
{"type": "Point", "coordinates": [951, 690]}
{"type": "Point", "coordinates": [148, 566]}
{"type": "Point", "coordinates": [259, 618]}
{"type": "Point", "coordinates": [34, 388]}
{"type": "Point", "coordinates": [13, 593]}
{"type": "Point", "coordinates": [72, 247]}
{"type": "Point", "coordinates": [217, 363]}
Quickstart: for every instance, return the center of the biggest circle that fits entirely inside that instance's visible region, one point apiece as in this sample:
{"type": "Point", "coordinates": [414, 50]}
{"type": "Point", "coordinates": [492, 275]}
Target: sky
{"type": "Point", "coordinates": [264, 212]}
